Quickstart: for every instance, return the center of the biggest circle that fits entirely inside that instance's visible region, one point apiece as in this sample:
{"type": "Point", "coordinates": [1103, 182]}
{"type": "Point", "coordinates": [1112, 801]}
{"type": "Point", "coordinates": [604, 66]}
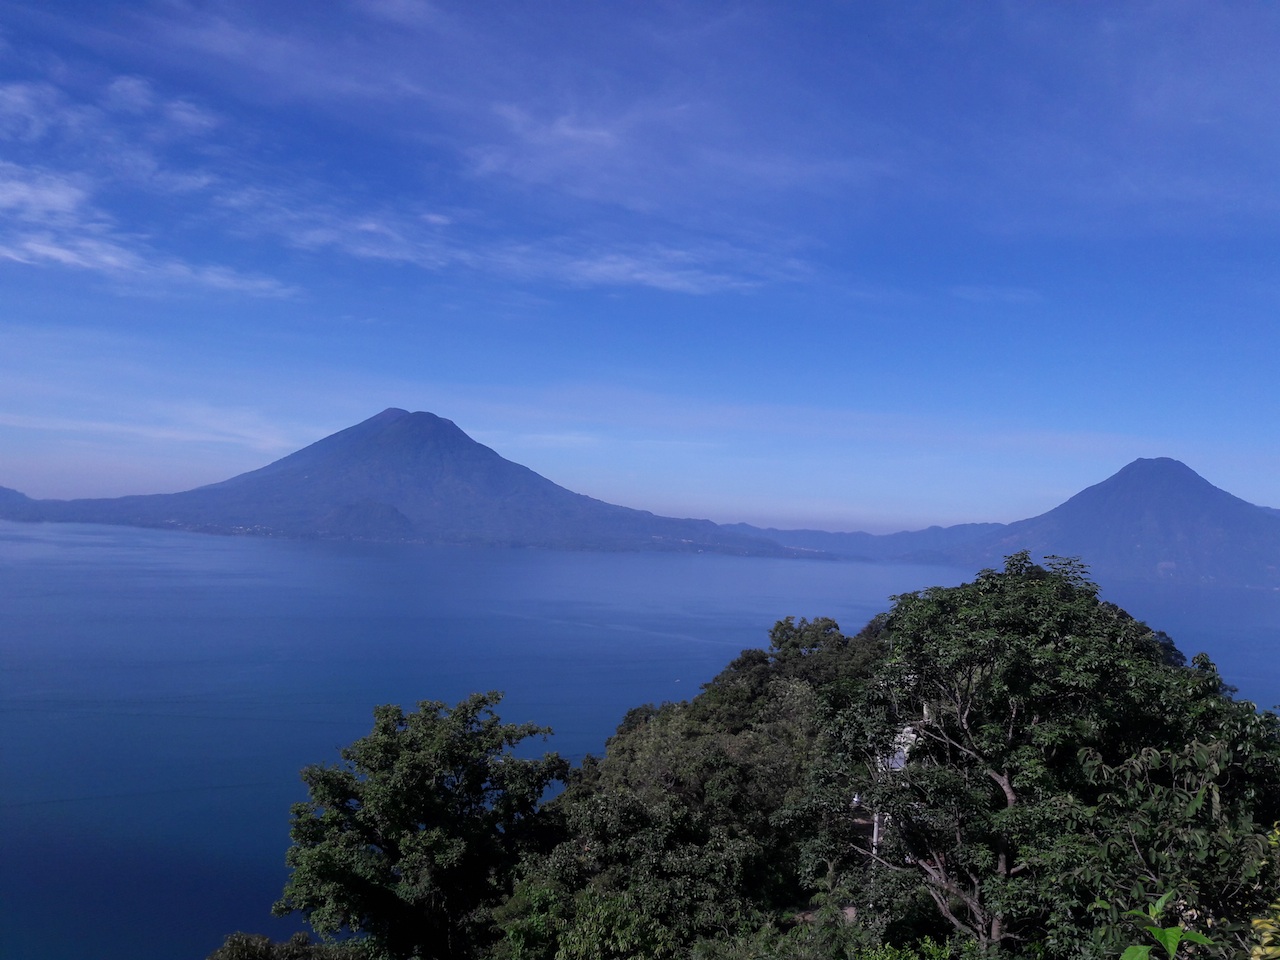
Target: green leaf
{"type": "Point", "coordinates": [1194, 806]}
{"type": "Point", "coordinates": [1145, 917]}
{"type": "Point", "coordinates": [1168, 937]}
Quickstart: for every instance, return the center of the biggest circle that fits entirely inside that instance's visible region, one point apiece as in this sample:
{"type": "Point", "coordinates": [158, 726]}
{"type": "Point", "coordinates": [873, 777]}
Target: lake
{"type": "Point", "coordinates": [160, 691]}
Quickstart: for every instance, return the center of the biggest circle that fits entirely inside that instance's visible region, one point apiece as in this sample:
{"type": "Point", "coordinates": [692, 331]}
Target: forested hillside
{"type": "Point", "coordinates": [1005, 768]}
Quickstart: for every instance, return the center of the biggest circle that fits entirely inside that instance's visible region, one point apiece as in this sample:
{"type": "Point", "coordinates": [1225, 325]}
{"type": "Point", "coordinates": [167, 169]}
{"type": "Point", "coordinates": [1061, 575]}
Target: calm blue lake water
{"type": "Point", "coordinates": [160, 691]}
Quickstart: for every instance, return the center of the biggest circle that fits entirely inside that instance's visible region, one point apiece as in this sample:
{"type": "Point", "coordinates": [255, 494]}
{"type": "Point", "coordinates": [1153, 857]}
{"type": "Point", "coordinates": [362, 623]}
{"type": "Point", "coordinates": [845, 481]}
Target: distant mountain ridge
{"type": "Point", "coordinates": [416, 477]}
{"type": "Point", "coordinates": [400, 476]}
{"type": "Point", "coordinates": [1155, 519]}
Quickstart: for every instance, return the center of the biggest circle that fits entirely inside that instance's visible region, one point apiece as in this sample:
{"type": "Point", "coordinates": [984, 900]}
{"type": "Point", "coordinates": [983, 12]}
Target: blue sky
{"type": "Point", "coordinates": [851, 265]}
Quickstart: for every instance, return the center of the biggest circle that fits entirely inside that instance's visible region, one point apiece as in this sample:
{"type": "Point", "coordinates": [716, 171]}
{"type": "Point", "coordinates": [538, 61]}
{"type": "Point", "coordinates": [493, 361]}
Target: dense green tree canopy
{"type": "Point", "coordinates": [1013, 764]}
{"type": "Point", "coordinates": [412, 838]}
{"type": "Point", "coordinates": [678, 833]}
{"type": "Point", "coordinates": [1026, 749]}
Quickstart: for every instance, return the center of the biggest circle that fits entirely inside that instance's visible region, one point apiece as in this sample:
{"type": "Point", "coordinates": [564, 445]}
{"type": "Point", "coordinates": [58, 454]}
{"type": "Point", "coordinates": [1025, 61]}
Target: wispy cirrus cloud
{"type": "Point", "coordinates": [523, 171]}
{"type": "Point", "coordinates": [995, 293]}
{"type": "Point", "coordinates": [1117, 143]}
{"type": "Point", "coordinates": [489, 102]}
{"type": "Point", "coordinates": [674, 158]}
{"type": "Point", "coordinates": [121, 134]}
{"type": "Point", "coordinates": [37, 197]}
{"type": "Point", "coordinates": [49, 221]}
{"type": "Point", "coordinates": [77, 209]}
{"type": "Point", "coordinates": [58, 212]}
{"type": "Point", "coordinates": [672, 270]}
{"type": "Point", "coordinates": [193, 425]}
{"type": "Point", "coordinates": [434, 242]}
{"type": "Point", "coordinates": [291, 64]}
{"type": "Point", "coordinates": [418, 14]}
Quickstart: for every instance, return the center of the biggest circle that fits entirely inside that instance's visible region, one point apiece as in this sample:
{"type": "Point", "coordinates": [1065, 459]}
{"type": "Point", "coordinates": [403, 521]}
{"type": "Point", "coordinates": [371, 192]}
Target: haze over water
{"type": "Point", "coordinates": [160, 691]}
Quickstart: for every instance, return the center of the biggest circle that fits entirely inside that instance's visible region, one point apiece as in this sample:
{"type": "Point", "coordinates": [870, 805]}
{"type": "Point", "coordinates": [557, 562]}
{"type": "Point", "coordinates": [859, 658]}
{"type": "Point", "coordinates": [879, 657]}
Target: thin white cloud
{"type": "Point", "coordinates": [679, 155]}
{"type": "Point", "coordinates": [418, 14]}
{"type": "Point", "coordinates": [1133, 134]}
{"type": "Point", "coordinates": [424, 241]}
{"type": "Point", "coordinates": [562, 132]}
{"type": "Point", "coordinates": [205, 428]}
{"type": "Point", "coordinates": [220, 278]}
{"type": "Point", "coordinates": [127, 115]}
{"type": "Point", "coordinates": [570, 440]}
{"type": "Point", "coordinates": [118, 138]}
{"type": "Point", "coordinates": [37, 197]}
{"type": "Point", "coordinates": [55, 217]}
{"type": "Point", "coordinates": [652, 168]}
{"type": "Point", "coordinates": [673, 158]}
{"type": "Point", "coordinates": [284, 66]}
{"type": "Point", "coordinates": [672, 270]}
{"type": "Point", "coordinates": [28, 110]}
{"type": "Point", "coordinates": [189, 119]}
{"type": "Point", "coordinates": [130, 94]}
{"type": "Point", "coordinates": [128, 265]}
{"type": "Point", "coordinates": [995, 293]}
{"type": "Point", "coordinates": [634, 154]}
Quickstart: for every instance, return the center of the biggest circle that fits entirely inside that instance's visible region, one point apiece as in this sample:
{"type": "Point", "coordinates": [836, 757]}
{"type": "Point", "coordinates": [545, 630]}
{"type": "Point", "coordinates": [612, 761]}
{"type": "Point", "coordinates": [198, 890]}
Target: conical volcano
{"type": "Point", "coordinates": [400, 476]}
{"type": "Point", "coordinates": [1156, 519]}
{"type": "Point", "coordinates": [1153, 520]}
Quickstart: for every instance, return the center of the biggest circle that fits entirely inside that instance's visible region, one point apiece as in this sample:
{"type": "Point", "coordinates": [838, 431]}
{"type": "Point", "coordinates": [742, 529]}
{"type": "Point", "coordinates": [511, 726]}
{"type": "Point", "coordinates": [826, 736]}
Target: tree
{"type": "Point", "coordinates": [1266, 928]}
{"type": "Point", "coordinates": [412, 839]}
{"type": "Point", "coordinates": [675, 834]}
{"type": "Point", "coordinates": [251, 946]}
{"type": "Point", "coordinates": [1174, 820]}
{"type": "Point", "coordinates": [1008, 710]}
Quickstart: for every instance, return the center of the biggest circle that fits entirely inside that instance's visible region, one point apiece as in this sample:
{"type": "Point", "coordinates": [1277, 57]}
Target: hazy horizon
{"type": "Point", "coordinates": [803, 522]}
